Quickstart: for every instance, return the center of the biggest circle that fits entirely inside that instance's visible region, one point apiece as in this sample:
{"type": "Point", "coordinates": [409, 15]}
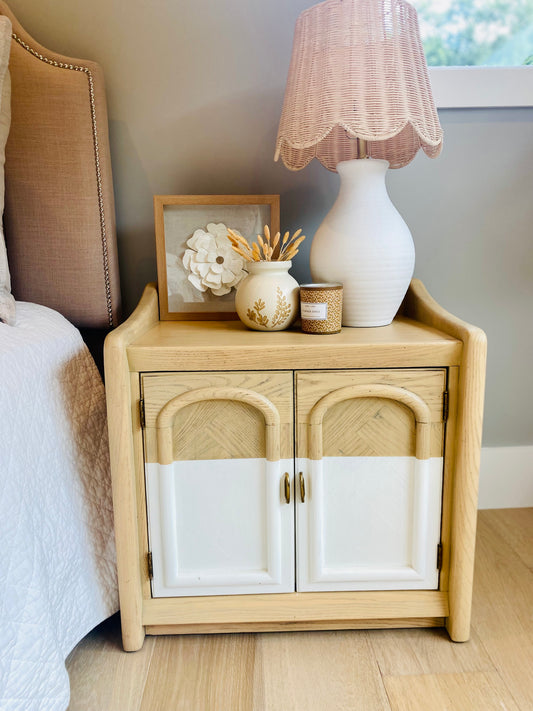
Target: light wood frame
{"type": "Point", "coordinates": [198, 211]}
{"type": "Point", "coordinates": [423, 335]}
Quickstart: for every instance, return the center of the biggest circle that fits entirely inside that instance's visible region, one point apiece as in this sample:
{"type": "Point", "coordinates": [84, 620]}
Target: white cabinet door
{"type": "Point", "coordinates": [219, 482]}
{"type": "Point", "coordinates": [370, 457]}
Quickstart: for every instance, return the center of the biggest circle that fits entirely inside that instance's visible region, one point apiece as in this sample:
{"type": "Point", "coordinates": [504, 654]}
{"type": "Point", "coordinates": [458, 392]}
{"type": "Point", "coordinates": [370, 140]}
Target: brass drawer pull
{"type": "Point", "coordinates": [287, 488]}
{"type": "Point", "coordinates": [302, 487]}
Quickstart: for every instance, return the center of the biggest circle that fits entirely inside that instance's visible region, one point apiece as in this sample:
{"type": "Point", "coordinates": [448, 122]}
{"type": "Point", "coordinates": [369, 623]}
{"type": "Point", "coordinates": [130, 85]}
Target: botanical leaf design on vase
{"type": "Point", "coordinates": [281, 314]}
{"type": "Point", "coordinates": [283, 309]}
{"type": "Point", "coordinates": [255, 315]}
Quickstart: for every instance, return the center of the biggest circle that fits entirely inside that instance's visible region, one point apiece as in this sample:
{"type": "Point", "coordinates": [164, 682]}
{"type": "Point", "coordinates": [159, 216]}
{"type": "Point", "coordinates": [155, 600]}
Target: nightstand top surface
{"type": "Point", "coordinates": [212, 345]}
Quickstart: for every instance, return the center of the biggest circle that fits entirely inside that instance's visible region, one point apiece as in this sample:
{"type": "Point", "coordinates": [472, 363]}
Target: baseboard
{"type": "Point", "coordinates": [506, 477]}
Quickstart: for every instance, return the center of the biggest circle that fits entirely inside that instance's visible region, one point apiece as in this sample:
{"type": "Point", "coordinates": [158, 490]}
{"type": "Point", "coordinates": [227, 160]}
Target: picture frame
{"type": "Point", "coordinates": [177, 219]}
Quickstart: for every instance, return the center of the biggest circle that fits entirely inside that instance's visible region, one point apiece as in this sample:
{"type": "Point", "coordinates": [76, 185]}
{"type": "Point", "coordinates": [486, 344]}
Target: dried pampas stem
{"type": "Point", "coordinates": [266, 247]}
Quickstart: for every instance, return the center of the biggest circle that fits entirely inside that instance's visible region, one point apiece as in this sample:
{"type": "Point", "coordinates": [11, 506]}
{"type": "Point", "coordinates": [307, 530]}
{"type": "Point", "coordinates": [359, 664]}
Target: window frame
{"type": "Point", "coordinates": [481, 87]}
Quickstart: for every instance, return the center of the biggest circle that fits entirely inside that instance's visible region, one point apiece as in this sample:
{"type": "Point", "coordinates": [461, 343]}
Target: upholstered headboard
{"type": "Point", "coordinates": [59, 214]}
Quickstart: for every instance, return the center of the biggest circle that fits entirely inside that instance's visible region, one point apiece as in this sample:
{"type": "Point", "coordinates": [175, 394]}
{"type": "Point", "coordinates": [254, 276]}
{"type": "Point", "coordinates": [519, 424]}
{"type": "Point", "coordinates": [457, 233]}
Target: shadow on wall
{"type": "Point", "coordinates": [134, 213]}
{"type": "Point", "coordinates": [224, 147]}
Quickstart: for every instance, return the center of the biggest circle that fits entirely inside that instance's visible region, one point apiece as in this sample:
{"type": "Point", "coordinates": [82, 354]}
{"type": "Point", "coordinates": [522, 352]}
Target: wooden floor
{"type": "Point", "coordinates": [379, 670]}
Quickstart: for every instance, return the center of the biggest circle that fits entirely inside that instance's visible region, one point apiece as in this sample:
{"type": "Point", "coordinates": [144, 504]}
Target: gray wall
{"type": "Point", "coordinates": [195, 90]}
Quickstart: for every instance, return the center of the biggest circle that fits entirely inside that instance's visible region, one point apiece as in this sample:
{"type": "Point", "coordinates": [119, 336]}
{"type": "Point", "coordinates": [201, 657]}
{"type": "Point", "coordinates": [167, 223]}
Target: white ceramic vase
{"type": "Point", "coordinates": [365, 245]}
{"type": "Point", "coordinates": [267, 299]}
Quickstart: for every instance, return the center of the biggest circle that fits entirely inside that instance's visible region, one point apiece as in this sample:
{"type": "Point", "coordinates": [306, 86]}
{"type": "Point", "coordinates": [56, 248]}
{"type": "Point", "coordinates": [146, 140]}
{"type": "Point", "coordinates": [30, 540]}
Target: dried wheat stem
{"type": "Point", "coordinates": [299, 241]}
{"type": "Point", "coordinates": [240, 245]}
{"type": "Point", "coordinates": [296, 234]}
{"type": "Point", "coordinates": [290, 254]}
{"type": "Point", "coordinates": [265, 247]}
{"type": "Point", "coordinates": [242, 253]}
{"type": "Point", "coordinates": [292, 244]}
{"type": "Point", "coordinates": [246, 255]}
{"type": "Point", "coordinates": [239, 238]}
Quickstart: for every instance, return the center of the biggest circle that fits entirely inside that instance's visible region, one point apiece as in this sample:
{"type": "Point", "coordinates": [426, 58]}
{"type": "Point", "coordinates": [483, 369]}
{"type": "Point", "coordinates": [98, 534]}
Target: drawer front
{"type": "Point", "coordinates": [219, 456]}
{"type": "Point", "coordinates": [370, 450]}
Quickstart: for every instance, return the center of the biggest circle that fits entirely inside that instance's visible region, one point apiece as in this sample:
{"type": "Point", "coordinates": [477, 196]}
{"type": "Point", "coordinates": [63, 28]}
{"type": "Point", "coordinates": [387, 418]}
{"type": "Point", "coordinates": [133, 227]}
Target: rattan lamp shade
{"type": "Point", "coordinates": [357, 71]}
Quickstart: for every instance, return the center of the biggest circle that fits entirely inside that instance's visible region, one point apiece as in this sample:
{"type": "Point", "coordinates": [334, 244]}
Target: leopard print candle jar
{"type": "Point", "coordinates": [321, 308]}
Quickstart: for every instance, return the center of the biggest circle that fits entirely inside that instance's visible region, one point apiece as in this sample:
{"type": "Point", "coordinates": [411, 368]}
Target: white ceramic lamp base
{"type": "Point", "coordinates": [365, 245]}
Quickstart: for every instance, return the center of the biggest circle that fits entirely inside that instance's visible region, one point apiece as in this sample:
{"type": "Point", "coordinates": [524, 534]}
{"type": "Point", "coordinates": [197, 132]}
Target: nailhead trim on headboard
{"type": "Point", "coordinates": [88, 73]}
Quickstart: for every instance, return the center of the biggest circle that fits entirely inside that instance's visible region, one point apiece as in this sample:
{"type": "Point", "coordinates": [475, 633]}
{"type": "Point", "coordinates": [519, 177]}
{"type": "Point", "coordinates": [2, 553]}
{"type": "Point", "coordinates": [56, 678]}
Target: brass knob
{"type": "Point", "coordinates": [287, 488]}
{"type": "Point", "coordinates": [302, 487]}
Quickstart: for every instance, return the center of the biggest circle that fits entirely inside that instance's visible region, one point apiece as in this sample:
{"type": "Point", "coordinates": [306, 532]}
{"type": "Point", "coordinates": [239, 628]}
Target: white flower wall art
{"type": "Point", "coordinates": [197, 269]}
{"type": "Point", "coordinates": [210, 261]}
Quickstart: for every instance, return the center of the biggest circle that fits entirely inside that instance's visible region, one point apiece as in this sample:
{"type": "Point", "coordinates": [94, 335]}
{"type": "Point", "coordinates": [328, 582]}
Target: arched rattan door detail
{"type": "Point", "coordinates": [369, 520]}
{"type": "Point", "coordinates": [223, 521]}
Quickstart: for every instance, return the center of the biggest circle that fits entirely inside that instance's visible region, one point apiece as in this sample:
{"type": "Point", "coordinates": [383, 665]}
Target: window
{"type": "Point", "coordinates": [479, 52]}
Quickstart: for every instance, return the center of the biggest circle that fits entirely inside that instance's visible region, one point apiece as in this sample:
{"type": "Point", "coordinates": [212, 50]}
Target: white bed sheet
{"type": "Point", "coordinates": [57, 577]}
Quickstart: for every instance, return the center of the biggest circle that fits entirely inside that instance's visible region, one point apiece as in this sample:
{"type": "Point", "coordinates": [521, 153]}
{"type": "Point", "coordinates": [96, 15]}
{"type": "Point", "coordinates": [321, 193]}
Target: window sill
{"type": "Point", "coordinates": [481, 87]}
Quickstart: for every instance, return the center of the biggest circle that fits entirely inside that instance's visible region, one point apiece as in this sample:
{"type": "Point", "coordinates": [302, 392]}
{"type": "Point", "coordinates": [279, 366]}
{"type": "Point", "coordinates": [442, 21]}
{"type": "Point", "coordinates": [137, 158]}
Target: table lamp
{"type": "Point", "coordinates": [358, 99]}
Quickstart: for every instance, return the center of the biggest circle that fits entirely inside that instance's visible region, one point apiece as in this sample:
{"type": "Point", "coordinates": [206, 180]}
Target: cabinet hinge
{"type": "Point", "coordinates": [150, 564]}
{"type": "Point", "coordinates": [141, 413]}
{"type": "Point", "coordinates": [445, 406]}
{"type": "Point", "coordinates": [439, 556]}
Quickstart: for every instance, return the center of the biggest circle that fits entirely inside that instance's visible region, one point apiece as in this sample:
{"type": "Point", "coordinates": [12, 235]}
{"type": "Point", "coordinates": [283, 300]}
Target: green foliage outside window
{"type": "Point", "coordinates": [476, 32]}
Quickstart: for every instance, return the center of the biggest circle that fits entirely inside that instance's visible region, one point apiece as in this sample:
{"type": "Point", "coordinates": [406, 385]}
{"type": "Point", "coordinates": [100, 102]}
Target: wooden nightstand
{"type": "Point", "coordinates": [285, 481]}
